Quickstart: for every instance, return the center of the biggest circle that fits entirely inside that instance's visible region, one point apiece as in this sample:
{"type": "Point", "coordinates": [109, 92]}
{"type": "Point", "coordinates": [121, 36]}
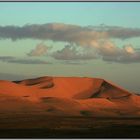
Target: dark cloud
{"type": "Point", "coordinates": [124, 33]}
{"type": "Point", "coordinates": [9, 59]}
{"type": "Point", "coordinates": [52, 31]}
{"type": "Point", "coordinates": [67, 32]}
{"type": "Point", "coordinates": [124, 58]}
{"type": "Point", "coordinates": [117, 31]}
{"type": "Point", "coordinates": [70, 52]}
{"type": "Point", "coordinates": [6, 58]}
{"type": "Point", "coordinates": [76, 63]}
{"type": "Point", "coordinates": [26, 61]}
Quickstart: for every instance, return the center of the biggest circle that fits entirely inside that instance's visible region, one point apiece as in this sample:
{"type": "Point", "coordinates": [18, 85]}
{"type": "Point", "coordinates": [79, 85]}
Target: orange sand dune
{"type": "Point", "coordinates": [68, 96]}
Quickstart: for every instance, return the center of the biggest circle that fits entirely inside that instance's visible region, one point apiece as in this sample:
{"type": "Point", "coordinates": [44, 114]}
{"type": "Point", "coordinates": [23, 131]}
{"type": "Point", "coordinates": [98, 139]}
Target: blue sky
{"type": "Point", "coordinates": [95, 13]}
{"type": "Point", "coordinates": [62, 54]}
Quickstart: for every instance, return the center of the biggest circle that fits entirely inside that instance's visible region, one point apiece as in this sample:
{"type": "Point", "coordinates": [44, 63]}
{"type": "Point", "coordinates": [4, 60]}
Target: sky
{"type": "Point", "coordinates": [86, 39]}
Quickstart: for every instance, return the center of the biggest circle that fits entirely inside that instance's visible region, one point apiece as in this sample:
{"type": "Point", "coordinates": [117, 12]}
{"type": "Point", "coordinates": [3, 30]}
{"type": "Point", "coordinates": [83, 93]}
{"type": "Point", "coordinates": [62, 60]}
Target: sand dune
{"type": "Point", "coordinates": [68, 96]}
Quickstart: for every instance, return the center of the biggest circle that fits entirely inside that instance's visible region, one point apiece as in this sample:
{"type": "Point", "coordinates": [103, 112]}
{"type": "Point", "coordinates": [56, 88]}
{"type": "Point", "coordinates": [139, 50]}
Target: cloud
{"type": "Point", "coordinates": [106, 50]}
{"type": "Point", "coordinates": [124, 33]}
{"type": "Point", "coordinates": [67, 32]}
{"type": "Point", "coordinates": [96, 37]}
{"type": "Point", "coordinates": [6, 58]}
{"type": "Point", "coordinates": [52, 31]}
{"type": "Point", "coordinates": [117, 31]}
{"type": "Point", "coordinates": [26, 61]}
{"type": "Point", "coordinates": [127, 54]}
{"type": "Point", "coordinates": [10, 59]}
{"type": "Point", "coordinates": [70, 52]}
{"type": "Point", "coordinates": [40, 50]}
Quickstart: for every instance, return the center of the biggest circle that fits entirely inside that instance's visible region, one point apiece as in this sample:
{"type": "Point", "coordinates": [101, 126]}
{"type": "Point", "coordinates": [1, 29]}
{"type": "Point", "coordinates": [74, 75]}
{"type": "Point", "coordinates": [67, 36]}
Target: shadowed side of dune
{"type": "Point", "coordinates": [104, 89]}
{"type": "Point", "coordinates": [41, 82]}
{"type": "Point", "coordinates": [110, 91]}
